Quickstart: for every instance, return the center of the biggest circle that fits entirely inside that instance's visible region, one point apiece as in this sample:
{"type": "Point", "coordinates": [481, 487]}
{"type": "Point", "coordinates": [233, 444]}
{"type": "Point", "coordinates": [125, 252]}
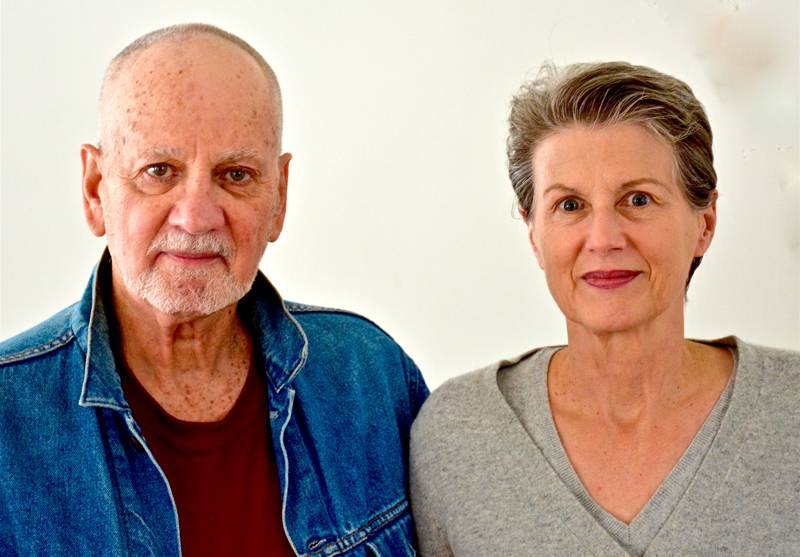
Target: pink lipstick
{"type": "Point", "coordinates": [610, 279]}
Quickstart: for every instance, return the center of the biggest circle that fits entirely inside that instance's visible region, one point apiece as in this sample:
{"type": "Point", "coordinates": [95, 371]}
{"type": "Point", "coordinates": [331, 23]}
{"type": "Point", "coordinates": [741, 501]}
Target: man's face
{"type": "Point", "coordinates": [189, 189]}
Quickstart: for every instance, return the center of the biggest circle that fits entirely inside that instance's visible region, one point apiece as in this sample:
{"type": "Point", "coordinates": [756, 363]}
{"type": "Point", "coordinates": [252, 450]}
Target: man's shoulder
{"type": "Point", "coordinates": [298, 309]}
{"type": "Point", "coordinates": [337, 323]}
{"type": "Point", "coordinates": [42, 339]}
{"type": "Point", "coordinates": [343, 340]}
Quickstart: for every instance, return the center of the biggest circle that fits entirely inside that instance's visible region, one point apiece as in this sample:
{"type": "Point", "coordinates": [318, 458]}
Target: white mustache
{"type": "Point", "coordinates": [188, 243]}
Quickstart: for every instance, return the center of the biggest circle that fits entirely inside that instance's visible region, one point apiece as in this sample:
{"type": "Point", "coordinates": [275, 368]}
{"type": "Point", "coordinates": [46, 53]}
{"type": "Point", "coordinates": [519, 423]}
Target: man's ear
{"type": "Point", "coordinates": [92, 179]}
{"type": "Point", "coordinates": [279, 211]}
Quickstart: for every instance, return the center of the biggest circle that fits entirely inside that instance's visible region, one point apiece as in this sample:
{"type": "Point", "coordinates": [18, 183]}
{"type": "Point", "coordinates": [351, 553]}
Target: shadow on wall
{"type": "Point", "coordinates": [753, 60]}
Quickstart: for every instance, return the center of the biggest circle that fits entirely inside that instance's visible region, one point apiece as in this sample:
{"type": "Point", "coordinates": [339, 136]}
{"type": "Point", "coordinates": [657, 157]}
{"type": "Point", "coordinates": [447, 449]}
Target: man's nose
{"type": "Point", "coordinates": [197, 209]}
{"type": "Point", "coordinates": [605, 232]}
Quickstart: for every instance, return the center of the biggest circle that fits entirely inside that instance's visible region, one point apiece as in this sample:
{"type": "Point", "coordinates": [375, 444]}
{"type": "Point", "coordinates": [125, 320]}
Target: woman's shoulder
{"type": "Point", "coordinates": [781, 361]}
{"type": "Point", "coordinates": [779, 369]}
{"type": "Point", "coordinates": [457, 398]}
{"type": "Point", "coordinates": [463, 422]}
{"type": "Point", "coordinates": [770, 354]}
{"type": "Point", "coordinates": [750, 354]}
{"type": "Point", "coordinates": [471, 397]}
{"type": "Point", "coordinates": [766, 377]}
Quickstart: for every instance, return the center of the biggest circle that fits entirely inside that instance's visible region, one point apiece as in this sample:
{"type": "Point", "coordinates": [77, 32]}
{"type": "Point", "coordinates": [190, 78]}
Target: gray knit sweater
{"type": "Point", "coordinates": [488, 479]}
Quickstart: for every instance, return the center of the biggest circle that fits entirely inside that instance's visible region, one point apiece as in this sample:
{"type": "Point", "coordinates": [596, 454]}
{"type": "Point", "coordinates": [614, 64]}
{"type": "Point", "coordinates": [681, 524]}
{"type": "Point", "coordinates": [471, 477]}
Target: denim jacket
{"type": "Point", "coordinates": [77, 477]}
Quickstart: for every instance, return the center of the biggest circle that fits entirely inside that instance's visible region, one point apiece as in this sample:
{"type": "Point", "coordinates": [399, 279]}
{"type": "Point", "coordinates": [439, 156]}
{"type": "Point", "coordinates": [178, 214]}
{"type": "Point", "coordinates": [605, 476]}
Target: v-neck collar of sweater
{"type": "Point", "coordinates": [669, 516]}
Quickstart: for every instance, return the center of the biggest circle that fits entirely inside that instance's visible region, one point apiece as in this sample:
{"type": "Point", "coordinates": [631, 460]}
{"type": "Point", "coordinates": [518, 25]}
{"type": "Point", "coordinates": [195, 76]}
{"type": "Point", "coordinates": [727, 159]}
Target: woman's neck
{"type": "Point", "coordinates": [624, 375]}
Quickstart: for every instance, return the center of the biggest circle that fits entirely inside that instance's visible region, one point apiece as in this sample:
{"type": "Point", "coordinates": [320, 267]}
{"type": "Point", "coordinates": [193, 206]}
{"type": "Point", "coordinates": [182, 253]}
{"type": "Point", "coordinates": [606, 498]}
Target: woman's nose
{"type": "Point", "coordinates": [605, 232]}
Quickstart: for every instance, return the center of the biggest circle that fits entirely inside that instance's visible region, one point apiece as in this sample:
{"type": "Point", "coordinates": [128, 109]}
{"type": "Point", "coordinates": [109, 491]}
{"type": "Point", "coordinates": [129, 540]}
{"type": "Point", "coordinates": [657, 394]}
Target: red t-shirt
{"type": "Point", "coordinates": [222, 474]}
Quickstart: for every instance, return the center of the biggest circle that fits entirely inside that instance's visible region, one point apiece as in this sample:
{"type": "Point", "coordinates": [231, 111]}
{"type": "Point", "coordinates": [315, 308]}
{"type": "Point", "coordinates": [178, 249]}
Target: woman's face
{"type": "Point", "coordinates": [612, 229]}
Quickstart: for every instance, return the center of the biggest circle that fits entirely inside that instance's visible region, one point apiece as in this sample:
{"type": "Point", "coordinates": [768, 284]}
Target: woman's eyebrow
{"type": "Point", "coordinates": [633, 183]}
{"type": "Point", "coordinates": [559, 188]}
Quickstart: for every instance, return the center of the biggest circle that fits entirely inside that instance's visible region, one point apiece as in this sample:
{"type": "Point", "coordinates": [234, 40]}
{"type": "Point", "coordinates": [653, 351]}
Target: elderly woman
{"type": "Point", "coordinates": [631, 439]}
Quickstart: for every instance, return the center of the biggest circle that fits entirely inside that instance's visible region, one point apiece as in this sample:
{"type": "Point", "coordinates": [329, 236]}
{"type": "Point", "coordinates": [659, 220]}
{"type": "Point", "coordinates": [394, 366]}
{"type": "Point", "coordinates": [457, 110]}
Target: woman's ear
{"type": "Point", "coordinates": [707, 223]}
{"type": "Point", "coordinates": [532, 239]}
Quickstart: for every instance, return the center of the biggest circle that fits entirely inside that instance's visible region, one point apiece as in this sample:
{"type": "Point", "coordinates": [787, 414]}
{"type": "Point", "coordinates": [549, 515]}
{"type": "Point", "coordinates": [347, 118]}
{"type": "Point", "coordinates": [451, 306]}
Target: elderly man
{"type": "Point", "coordinates": [181, 406]}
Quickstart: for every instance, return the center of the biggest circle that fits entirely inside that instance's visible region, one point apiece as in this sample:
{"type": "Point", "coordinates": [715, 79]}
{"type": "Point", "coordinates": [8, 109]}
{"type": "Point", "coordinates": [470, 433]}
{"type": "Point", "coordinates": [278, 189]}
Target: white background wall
{"type": "Point", "coordinates": [399, 203]}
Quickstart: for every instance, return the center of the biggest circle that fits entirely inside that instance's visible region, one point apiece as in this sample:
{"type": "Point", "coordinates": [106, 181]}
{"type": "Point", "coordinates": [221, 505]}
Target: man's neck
{"type": "Point", "coordinates": [194, 367]}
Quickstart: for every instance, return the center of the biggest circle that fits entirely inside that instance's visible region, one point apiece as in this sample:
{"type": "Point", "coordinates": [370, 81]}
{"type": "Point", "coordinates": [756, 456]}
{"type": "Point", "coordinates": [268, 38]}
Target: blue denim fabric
{"type": "Point", "coordinates": [77, 478]}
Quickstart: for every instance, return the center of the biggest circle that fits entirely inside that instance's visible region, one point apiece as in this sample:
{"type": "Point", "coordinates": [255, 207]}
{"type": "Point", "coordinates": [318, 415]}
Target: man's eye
{"type": "Point", "coordinates": [639, 199]}
{"type": "Point", "coordinates": [237, 175]}
{"type": "Point", "coordinates": [570, 205]}
{"type": "Point", "coordinates": [160, 171]}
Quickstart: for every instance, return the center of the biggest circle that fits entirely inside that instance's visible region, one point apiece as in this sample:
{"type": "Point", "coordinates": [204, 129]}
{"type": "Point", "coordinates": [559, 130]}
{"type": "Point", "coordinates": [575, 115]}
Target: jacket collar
{"type": "Point", "coordinates": [284, 344]}
{"type": "Point", "coordinates": [282, 341]}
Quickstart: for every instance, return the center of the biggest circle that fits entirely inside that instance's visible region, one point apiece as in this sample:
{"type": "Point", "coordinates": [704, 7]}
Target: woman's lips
{"type": "Point", "coordinates": [610, 279]}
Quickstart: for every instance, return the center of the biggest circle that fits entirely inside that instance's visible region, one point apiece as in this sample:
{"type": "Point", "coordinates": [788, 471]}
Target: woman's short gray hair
{"type": "Point", "coordinates": [609, 93]}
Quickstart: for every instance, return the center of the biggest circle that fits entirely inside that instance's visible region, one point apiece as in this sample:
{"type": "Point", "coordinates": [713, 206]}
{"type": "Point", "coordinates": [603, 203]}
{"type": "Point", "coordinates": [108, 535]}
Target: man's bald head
{"type": "Point", "coordinates": [110, 93]}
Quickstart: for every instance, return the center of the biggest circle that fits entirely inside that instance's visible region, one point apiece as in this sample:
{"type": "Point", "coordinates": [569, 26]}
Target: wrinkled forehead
{"type": "Point", "coordinates": [187, 81]}
{"type": "Point", "coordinates": [626, 131]}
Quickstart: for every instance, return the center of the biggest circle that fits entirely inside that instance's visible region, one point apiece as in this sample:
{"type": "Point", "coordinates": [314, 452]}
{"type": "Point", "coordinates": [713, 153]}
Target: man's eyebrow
{"type": "Point", "coordinates": [160, 151]}
{"type": "Point", "coordinates": [234, 155]}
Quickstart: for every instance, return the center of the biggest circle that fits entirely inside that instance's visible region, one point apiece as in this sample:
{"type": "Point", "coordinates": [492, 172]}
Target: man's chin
{"type": "Point", "coordinates": [190, 298]}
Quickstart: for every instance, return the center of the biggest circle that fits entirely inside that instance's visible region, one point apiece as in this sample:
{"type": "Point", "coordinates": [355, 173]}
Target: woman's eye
{"type": "Point", "coordinates": [639, 199]}
{"type": "Point", "coordinates": [237, 175]}
{"type": "Point", "coordinates": [570, 205]}
{"type": "Point", "coordinates": [160, 171]}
